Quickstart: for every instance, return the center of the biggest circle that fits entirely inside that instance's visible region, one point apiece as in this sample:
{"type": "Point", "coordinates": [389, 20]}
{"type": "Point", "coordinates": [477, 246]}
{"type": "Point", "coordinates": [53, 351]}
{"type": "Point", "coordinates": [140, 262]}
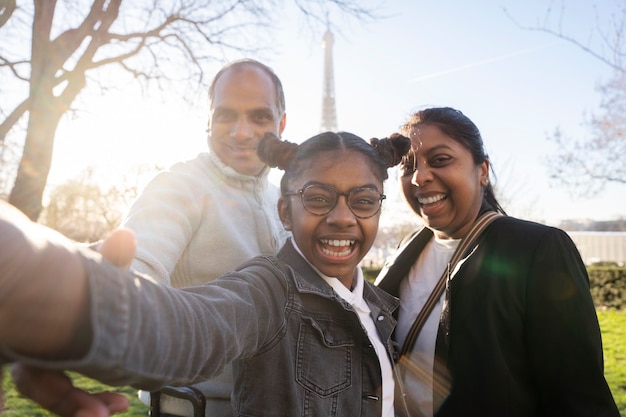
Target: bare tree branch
{"type": "Point", "coordinates": [587, 165]}
{"type": "Point", "coordinates": [7, 125]}
{"type": "Point", "coordinates": [159, 43]}
{"type": "Point", "coordinates": [7, 7]}
{"type": "Point", "coordinates": [611, 37]}
{"type": "Point", "coordinates": [13, 67]}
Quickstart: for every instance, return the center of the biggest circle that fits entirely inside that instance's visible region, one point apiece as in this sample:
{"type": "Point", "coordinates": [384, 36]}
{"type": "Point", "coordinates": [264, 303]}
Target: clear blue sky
{"type": "Point", "coordinates": [516, 85]}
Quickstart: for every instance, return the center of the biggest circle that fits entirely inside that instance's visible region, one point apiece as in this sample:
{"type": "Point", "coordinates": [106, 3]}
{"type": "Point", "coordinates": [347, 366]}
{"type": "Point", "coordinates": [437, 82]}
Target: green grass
{"type": "Point", "coordinates": [612, 323]}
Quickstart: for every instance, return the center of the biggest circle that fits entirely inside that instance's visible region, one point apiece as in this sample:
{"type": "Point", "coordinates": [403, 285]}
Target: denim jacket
{"type": "Point", "coordinates": [297, 348]}
{"type": "Point", "coordinates": [319, 351]}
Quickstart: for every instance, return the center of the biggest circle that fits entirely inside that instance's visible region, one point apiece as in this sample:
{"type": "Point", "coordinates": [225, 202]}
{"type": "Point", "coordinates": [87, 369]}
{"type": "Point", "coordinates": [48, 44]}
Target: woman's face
{"type": "Point", "coordinates": [441, 182]}
{"type": "Point", "coordinates": [334, 243]}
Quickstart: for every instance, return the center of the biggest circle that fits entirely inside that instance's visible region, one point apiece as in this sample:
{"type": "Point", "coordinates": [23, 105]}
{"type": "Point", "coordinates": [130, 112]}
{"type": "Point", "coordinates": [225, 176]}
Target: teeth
{"type": "Point", "coordinates": [331, 253]}
{"type": "Point", "coordinates": [338, 242]}
{"type": "Point", "coordinates": [430, 200]}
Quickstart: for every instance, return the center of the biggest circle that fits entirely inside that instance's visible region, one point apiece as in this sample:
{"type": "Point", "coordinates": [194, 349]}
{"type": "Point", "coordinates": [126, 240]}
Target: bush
{"type": "Point", "coordinates": [370, 273]}
{"type": "Point", "coordinates": [608, 286]}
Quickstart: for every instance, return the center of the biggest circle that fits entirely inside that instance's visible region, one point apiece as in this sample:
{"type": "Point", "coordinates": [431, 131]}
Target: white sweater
{"type": "Point", "coordinates": [200, 219]}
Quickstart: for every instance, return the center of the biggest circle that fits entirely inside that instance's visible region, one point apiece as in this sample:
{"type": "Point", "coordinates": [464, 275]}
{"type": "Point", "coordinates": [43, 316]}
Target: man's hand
{"type": "Point", "coordinates": [53, 390]}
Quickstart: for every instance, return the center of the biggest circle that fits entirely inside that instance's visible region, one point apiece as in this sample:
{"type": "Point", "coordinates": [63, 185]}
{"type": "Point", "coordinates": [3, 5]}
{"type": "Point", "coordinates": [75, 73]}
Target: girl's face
{"type": "Point", "coordinates": [336, 242]}
{"type": "Point", "coordinates": [441, 182]}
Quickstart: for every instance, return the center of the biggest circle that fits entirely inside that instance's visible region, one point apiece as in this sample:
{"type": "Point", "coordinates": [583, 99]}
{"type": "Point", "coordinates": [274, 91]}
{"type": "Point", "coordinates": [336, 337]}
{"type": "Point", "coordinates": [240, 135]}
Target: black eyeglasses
{"type": "Point", "coordinates": [319, 199]}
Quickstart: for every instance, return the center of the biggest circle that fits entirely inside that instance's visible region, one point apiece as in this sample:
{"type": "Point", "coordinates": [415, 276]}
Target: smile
{"type": "Point", "coordinates": [431, 200]}
{"type": "Point", "coordinates": [327, 243]}
{"type": "Point", "coordinates": [242, 148]}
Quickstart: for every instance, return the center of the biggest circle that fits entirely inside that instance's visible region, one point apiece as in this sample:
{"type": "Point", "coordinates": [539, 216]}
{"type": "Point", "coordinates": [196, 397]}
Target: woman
{"type": "Point", "coordinates": [306, 334]}
{"type": "Point", "coordinates": [513, 331]}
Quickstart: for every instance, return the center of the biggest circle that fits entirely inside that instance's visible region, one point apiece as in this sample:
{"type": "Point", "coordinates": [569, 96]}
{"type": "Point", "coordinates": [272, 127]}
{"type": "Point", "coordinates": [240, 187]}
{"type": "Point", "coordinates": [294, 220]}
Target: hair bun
{"type": "Point", "coordinates": [392, 148]}
{"type": "Point", "coordinates": [275, 152]}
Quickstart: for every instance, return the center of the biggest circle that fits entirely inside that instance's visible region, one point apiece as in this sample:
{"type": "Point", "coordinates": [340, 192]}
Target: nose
{"type": "Point", "coordinates": [242, 129]}
{"type": "Point", "coordinates": [341, 214]}
{"type": "Point", "coordinates": [421, 176]}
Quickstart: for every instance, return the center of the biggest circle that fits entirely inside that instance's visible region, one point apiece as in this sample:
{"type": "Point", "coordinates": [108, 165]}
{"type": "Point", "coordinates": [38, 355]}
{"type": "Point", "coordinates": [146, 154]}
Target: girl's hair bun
{"type": "Point", "coordinates": [392, 148]}
{"type": "Point", "coordinates": [275, 152]}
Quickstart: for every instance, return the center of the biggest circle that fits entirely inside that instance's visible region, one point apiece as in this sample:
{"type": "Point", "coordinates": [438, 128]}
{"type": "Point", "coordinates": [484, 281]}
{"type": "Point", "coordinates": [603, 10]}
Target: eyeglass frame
{"type": "Point", "coordinates": [346, 194]}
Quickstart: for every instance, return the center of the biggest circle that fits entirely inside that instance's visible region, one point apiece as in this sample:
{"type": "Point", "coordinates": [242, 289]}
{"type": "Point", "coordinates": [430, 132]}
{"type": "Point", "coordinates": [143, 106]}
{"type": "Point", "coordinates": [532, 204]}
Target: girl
{"type": "Point", "coordinates": [306, 334]}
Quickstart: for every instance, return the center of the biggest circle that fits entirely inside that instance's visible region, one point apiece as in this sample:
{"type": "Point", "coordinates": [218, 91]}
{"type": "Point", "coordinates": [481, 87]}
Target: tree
{"type": "Point", "coordinates": [84, 210]}
{"type": "Point", "coordinates": [80, 43]}
{"type": "Point", "coordinates": [9, 160]}
{"type": "Point", "coordinates": [586, 165]}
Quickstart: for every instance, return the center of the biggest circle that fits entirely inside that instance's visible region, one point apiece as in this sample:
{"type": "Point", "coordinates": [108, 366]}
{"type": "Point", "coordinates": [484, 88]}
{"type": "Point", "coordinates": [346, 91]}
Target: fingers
{"type": "Point", "coordinates": [115, 402]}
{"type": "Point", "coordinates": [54, 391]}
{"type": "Point", "coordinates": [119, 247]}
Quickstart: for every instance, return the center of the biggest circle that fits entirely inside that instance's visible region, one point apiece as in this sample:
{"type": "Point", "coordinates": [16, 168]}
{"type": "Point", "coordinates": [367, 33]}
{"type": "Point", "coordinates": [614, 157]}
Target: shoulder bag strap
{"type": "Point", "coordinates": [477, 228]}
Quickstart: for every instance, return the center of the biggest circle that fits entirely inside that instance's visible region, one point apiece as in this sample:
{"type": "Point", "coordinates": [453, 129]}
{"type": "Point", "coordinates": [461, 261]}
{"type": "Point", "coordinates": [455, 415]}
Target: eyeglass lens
{"type": "Point", "coordinates": [320, 200]}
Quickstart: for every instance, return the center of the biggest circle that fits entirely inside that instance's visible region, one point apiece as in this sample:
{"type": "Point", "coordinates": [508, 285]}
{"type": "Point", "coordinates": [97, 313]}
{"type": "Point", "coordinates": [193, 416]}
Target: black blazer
{"type": "Point", "coordinates": [522, 336]}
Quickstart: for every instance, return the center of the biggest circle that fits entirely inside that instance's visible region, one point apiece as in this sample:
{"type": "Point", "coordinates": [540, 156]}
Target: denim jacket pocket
{"type": "Point", "coordinates": [324, 358]}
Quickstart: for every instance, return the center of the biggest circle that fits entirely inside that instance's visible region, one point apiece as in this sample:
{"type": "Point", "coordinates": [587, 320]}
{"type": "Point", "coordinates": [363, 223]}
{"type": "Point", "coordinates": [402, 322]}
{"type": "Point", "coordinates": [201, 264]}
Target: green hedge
{"type": "Point", "coordinates": [608, 285]}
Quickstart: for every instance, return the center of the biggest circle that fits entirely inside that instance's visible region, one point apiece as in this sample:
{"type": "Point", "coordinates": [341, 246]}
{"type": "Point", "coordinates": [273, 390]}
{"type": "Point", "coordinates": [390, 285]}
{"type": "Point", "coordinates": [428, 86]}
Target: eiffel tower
{"type": "Point", "coordinates": [329, 113]}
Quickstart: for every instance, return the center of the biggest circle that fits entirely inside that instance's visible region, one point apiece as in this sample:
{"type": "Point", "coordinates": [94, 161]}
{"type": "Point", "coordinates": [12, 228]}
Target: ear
{"type": "Point", "coordinates": [282, 124]}
{"type": "Point", "coordinates": [284, 212]}
{"type": "Point", "coordinates": [483, 169]}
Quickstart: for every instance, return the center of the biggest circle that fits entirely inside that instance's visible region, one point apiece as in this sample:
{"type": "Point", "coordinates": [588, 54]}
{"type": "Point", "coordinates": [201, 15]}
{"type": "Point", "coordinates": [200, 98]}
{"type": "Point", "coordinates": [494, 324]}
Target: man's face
{"type": "Point", "coordinates": [244, 108]}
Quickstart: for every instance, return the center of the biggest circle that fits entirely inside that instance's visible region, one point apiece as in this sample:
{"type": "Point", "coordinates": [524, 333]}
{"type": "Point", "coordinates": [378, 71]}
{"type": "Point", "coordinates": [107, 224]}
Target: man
{"type": "Point", "coordinates": [204, 217]}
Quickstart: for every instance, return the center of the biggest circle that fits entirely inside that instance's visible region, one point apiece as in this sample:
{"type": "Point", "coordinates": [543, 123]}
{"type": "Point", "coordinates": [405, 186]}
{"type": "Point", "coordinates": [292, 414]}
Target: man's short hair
{"type": "Point", "coordinates": [278, 86]}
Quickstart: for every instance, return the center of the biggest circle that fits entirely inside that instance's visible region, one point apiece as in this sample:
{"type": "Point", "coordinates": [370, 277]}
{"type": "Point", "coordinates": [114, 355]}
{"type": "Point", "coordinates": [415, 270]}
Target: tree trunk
{"type": "Point", "coordinates": [32, 174]}
{"type": "Point", "coordinates": [45, 111]}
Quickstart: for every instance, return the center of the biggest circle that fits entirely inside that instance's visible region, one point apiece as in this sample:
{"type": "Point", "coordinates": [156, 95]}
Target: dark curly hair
{"type": "Point", "coordinates": [383, 153]}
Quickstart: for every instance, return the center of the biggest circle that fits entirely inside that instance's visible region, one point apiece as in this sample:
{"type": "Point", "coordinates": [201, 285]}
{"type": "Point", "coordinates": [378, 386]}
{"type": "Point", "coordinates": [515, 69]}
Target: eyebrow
{"type": "Point", "coordinates": [438, 147]}
{"type": "Point", "coordinates": [370, 185]}
{"type": "Point", "coordinates": [255, 109]}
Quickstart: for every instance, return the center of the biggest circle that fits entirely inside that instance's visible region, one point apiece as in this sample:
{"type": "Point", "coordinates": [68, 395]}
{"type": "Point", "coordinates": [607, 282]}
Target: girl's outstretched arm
{"type": "Point", "coordinates": [43, 290]}
{"type": "Point", "coordinates": [53, 390]}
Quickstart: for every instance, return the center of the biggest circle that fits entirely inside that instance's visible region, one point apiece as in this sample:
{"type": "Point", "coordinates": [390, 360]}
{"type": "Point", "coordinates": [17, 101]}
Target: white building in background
{"type": "Point", "coordinates": [593, 247]}
{"type": "Point", "coordinates": [601, 246]}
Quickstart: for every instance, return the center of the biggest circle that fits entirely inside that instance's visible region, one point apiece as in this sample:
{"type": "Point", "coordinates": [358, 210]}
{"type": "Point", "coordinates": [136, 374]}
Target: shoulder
{"type": "Point", "coordinates": [513, 233]}
{"type": "Point", "coordinates": [262, 268]}
{"type": "Point", "coordinates": [515, 227]}
{"type": "Point", "coordinates": [180, 173]}
{"type": "Point", "coordinates": [198, 166]}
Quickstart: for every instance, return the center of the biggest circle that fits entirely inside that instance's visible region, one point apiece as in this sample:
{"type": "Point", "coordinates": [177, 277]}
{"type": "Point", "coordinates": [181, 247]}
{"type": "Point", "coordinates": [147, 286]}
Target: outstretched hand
{"type": "Point", "coordinates": [53, 390]}
{"type": "Point", "coordinates": [119, 248]}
